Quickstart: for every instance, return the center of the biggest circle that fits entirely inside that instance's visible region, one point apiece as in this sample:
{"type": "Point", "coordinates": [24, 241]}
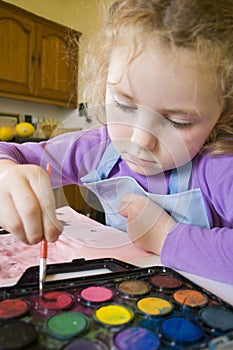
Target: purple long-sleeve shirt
{"type": "Point", "coordinates": [206, 252]}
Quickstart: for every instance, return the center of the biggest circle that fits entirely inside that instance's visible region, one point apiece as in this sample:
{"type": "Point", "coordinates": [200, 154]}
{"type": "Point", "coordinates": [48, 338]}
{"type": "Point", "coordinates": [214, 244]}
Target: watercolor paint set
{"type": "Point", "coordinates": [107, 304]}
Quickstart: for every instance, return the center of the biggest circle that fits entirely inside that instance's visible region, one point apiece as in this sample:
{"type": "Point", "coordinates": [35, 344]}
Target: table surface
{"type": "Point", "coordinates": [86, 238]}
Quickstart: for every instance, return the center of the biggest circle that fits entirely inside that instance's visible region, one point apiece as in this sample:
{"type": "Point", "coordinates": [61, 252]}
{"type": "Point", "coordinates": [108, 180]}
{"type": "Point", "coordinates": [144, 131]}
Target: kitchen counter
{"type": "Point", "coordinates": [19, 139]}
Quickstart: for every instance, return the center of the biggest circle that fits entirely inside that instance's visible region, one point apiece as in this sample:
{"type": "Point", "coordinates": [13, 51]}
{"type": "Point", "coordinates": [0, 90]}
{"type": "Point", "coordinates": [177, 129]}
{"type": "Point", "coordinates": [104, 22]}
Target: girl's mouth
{"type": "Point", "coordinates": [138, 161]}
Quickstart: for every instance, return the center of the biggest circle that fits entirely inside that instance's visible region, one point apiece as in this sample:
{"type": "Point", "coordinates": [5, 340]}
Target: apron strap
{"type": "Point", "coordinates": [107, 162]}
{"type": "Point", "coordinates": [179, 179]}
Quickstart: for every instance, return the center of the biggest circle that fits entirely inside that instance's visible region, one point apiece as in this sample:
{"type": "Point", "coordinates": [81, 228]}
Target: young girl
{"type": "Point", "coordinates": [162, 167]}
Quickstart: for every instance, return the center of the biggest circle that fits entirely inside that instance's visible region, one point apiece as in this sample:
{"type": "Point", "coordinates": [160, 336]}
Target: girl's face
{"type": "Point", "coordinates": [160, 108]}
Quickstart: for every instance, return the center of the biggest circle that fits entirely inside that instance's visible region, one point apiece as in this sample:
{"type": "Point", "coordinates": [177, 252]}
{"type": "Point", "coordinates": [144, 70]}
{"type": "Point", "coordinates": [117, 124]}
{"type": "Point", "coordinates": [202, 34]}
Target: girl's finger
{"type": "Point", "coordinates": [10, 219]}
{"type": "Point", "coordinates": [29, 212]}
{"type": "Point", "coordinates": [52, 227]}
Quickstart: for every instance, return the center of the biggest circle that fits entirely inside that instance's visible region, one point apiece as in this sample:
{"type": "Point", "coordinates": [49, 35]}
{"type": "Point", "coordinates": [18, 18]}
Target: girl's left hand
{"type": "Point", "coordinates": [147, 223]}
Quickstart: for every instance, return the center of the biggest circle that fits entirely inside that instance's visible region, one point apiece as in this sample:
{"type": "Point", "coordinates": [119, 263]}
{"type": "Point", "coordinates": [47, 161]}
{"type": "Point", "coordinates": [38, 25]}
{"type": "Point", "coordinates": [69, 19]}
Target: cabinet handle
{"type": "Point", "coordinates": [33, 59]}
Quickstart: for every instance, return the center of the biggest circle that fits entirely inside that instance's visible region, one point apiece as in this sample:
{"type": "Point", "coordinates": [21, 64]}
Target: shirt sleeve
{"type": "Point", "coordinates": [207, 252]}
{"type": "Point", "coordinates": [71, 155]}
{"type": "Point", "coordinates": [204, 252]}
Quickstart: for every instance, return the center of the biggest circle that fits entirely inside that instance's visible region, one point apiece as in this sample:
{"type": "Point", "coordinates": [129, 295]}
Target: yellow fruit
{"type": "Point", "coordinates": [24, 129]}
{"type": "Point", "coordinates": [6, 133]}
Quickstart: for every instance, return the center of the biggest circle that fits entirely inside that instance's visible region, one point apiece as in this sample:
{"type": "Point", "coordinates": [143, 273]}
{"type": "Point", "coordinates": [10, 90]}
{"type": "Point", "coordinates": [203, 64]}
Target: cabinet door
{"type": "Point", "coordinates": [56, 78]}
{"type": "Point", "coordinates": [17, 56]}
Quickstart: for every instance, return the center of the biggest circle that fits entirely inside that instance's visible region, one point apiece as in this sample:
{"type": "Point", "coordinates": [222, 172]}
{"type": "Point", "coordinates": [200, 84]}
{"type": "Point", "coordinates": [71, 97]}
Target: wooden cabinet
{"type": "Point", "coordinates": [76, 199]}
{"type": "Point", "coordinates": [38, 58]}
{"type": "Point", "coordinates": [81, 200]}
{"type": "Point", "coordinates": [53, 74]}
{"type": "Point", "coordinates": [17, 53]}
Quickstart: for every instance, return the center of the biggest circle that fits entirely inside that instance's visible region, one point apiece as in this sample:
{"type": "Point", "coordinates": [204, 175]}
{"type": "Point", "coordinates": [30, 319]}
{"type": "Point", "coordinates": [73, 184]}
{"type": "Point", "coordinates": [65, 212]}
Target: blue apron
{"type": "Point", "coordinates": [186, 206]}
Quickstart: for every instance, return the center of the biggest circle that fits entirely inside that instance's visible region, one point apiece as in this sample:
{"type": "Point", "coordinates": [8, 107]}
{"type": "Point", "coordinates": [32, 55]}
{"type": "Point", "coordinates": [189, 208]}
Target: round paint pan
{"type": "Point", "coordinates": [133, 288]}
{"type": "Point", "coordinates": [56, 301]}
{"type": "Point", "coordinates": [166, 282]}
{"type": "Point", "coordinates": [190, 298]}
{"type": "Point", "coordinates": [86, 344]}
{"type": "Point", "coordinates": [136, 338]}
{"type": "Point", "coordinates": [17, 334]}
{"type": "Point", "coordinates": [67, 325]}
{"type": "Point", "coordinates": [95, 295]}
{"type": "Point", "coordinates": [153, 306]}
{"type": "Point", "coordinates": [113, 315]}
{"type": "Point", "coordinates": [180, 330]}
{"type": "Point", "coordinates": [217, 318]}
{"type": "Point", "coordinates": [13, 308]}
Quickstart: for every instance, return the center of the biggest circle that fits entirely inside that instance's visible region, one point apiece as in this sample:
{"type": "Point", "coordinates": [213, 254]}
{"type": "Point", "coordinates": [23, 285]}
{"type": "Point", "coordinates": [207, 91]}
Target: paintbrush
{"type": "Point", "coordinates": [43, 261]}
{"type": "Point", "coordinates": [43, 254]}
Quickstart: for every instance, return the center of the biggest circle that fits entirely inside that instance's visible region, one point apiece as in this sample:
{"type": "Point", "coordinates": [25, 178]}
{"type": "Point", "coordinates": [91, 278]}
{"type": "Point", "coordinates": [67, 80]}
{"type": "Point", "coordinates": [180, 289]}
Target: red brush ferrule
{"type": "Point", "coordinates": [43, 249]}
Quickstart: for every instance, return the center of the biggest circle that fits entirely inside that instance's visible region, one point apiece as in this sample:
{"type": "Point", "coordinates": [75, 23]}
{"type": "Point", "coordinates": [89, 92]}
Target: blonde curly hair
{"type": "Point", "coordinates": [205, 27]}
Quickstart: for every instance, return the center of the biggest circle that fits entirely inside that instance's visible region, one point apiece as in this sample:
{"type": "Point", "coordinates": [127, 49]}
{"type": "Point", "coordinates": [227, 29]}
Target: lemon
{"type": "Point", "coordinates": [6, 133]}
{"type": "Point", "coordinates": [24, 129]}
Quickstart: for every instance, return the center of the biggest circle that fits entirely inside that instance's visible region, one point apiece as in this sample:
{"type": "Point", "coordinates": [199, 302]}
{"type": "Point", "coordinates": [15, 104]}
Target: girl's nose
{"type": "Point", "coordinates": [143, 138]}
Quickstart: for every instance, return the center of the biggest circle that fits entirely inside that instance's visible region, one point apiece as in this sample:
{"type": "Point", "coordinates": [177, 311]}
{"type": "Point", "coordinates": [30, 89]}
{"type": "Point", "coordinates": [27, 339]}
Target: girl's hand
{"type": "Point", "coordinates": [147, 223]}
{"type": "Point", "coordinates": [27, 203]}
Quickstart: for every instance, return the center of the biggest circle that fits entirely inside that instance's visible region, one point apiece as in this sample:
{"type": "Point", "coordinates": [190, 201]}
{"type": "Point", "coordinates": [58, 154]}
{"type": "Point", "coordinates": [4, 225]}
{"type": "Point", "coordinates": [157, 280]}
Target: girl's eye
{"type": "Point", "coordinates": [179, 125]}
{"type": "Point", "coordinates": [128, 108]}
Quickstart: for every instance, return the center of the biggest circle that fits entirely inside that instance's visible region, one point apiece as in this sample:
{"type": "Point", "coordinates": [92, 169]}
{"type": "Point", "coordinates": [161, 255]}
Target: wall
{"type": "Point", "coordinates": [85, 16]}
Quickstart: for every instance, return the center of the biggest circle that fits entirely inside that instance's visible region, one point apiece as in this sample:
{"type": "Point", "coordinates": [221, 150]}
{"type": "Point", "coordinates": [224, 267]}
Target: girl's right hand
{"type": "Point", "coordinates": [27, 203]}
